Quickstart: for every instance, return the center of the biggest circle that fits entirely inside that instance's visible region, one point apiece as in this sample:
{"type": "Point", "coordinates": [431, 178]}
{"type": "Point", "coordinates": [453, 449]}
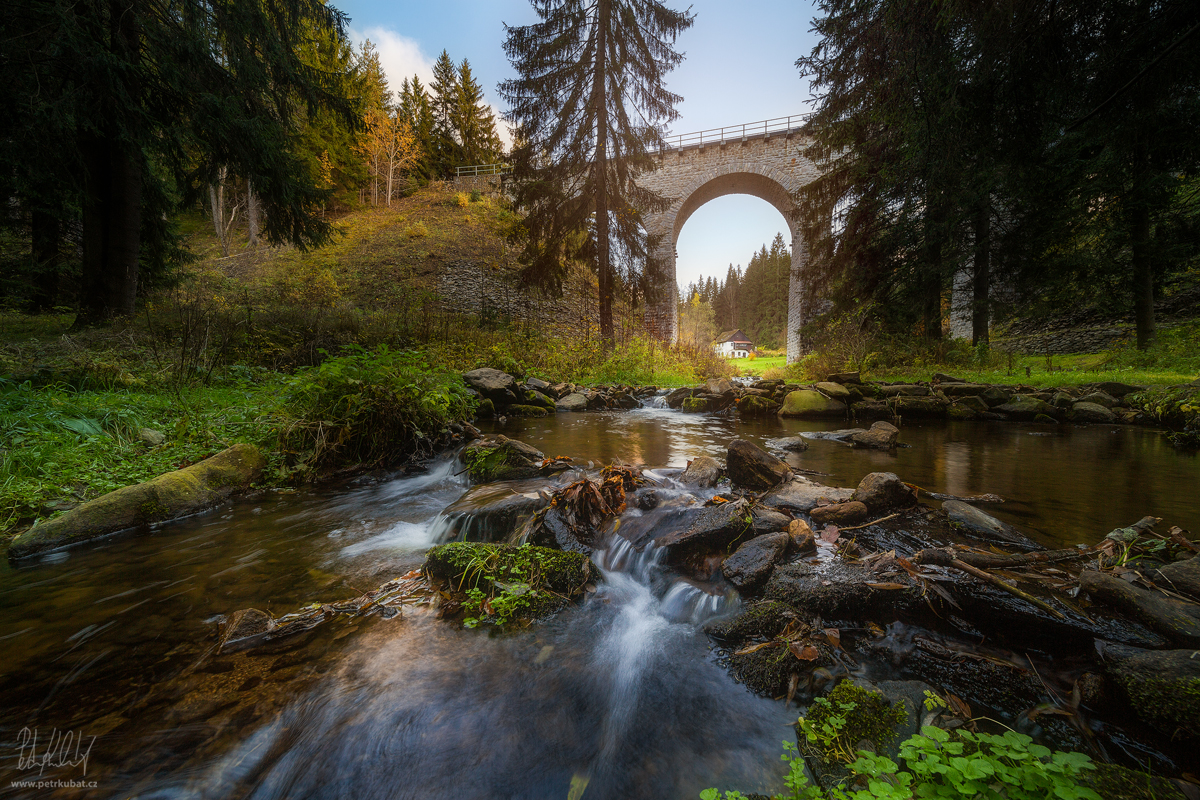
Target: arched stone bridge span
{"type": "Point", "coordinates": [763, 159]}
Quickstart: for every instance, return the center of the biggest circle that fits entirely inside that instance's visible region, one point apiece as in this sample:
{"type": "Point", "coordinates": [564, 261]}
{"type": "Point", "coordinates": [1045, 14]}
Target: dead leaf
{"type": "Point", "coordinates": [958, 705]}
{"type": "Point", "coordinates": [887, 585]}
{"type": "Point", "coordinates": [793, 684]}
{"type": "Point", "coordinates": [805, 653]}
{"type": "Point", "coordinates": [830, 534]}
{"type": "Point", "coordinates": [834, 636]}
{"type": "Point", "coordinates": [754, 648]}
{"type": "Point", "coordinates": [876, 630]}
{"type": "Point", "coordinates": [1179, 536]}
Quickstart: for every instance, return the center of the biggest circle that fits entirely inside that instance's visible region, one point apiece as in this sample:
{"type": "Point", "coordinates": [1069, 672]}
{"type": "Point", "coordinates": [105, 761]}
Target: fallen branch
{"type": "Point", "coordinates": [996, 561]}
{"type": "Point", "coordinates": [942, 558]}
{"type": "Point", "coordinates": [869, 524]}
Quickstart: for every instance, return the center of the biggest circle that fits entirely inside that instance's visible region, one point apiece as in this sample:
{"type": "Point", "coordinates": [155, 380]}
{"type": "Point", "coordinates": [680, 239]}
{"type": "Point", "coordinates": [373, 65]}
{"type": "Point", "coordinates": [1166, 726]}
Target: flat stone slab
{"type": "Point", "coordinates": [801, 494]}
{"type": "Point", "coordinates": [980, 525]}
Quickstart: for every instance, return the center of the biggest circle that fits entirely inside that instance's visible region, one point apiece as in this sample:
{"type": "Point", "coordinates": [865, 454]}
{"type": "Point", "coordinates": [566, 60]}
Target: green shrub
{"type": "Point", "coordinates": [371, 408]}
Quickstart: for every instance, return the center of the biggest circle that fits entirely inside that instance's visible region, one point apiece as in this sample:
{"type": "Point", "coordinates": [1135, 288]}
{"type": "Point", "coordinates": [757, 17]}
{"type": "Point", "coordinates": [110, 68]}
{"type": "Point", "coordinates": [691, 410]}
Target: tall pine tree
{"type": "Point", "coordinates": [587, 102]}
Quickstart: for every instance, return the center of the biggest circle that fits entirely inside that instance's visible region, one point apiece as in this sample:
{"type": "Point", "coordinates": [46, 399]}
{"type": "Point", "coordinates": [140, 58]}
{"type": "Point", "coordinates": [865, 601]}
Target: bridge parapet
{"type": "Point", "coordinates": [764, 129]}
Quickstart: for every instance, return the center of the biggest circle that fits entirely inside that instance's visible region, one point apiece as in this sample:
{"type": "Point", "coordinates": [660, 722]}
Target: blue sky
{"type": "Point", "coordinates": [740, 67]}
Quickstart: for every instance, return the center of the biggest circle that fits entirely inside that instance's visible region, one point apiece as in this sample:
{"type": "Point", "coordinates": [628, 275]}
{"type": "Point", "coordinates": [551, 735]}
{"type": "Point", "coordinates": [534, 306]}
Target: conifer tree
{"type": "Point", "coordinates": [444, 91]}
{"type": "Point", "coordinates": [587, 105]}
{"type": "Point", "coordinates": [474, 123]}
{"type": "Point", "coordinates": [416, 109]}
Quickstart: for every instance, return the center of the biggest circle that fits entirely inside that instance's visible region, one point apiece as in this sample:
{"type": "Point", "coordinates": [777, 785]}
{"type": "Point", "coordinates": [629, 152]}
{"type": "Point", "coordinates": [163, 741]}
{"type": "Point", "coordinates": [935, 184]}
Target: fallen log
{"type": "Point", "coordinates": [1008, 561]}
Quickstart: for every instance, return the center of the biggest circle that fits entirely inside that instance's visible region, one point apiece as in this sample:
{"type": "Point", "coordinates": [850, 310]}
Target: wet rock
{"type": "Point", "coordinates": [1117, 389]}
{"type": "Point", "coordinates": [501, 459]}
{"type": "Point", "coordinates": [676, 397]}
{"type": "Point", "coordinates": [485, 566]}
{"type": "Point", "coordinates": [804, 541]}
{"type": "Point", "coordinates": [963, 389]}
{"type": "Point", "coordinates": [921, 407]}
{"type": "Point", "coordinates": [751, 564]}
{"type": "Point", "coordinates": [842, 435]}
{"type": "Point", "coordinates": [973, 403]}
{"type": "Point", "coordinates": [764, 520]}
{"type": "Point", "coordinates": [695, 405]}
{"type": "Point", "coordinates": [903, 390]}
{"type": "Point", "coordinates": [958, 411]}
{"type": "Point", "coordinates": [840, 514]}
{"type": "Point", "coordinates": [1163, 686]}
{"type": "Point", "coordinates": [1092, 412]}
{"type": "Point", "coordinates": [791, 444]}
{"type": "Point", "coordinates": [537, 384]}
{"type": "Point", "coordinates": [978, 525]}
{"type": "Point", "coordinates": [646, 498]}
{"type": "Point", "coordinates": [1062, 401]}
{"type": "Point", "coordinates": [838, 590]}
{"type": "Point", "coordinates": [719, 386]}
{"type": "Point", "coordinates": [996, 396]}
{"type": "Point", "coordinates": [490, 513]}
{"type": "Point", "coordinates": [910, 696]}
{"type": "Point", "coordinates": [699, 529]}
{"type": "Point", "coordinates": [1181, 576]}
{"type": "Point", "coordinates": [1025, 407]}
{"type": "Point", "coordinates": [175, 494]}
{"type": "Point", "coordinates": [552, 530]}
{"type": "Point", "coordinates": [702, 471]}
{"type": "Point", "coordinates": [752, 467]}
{"type": "Point", "coordinates": [535, 398]}
{"type": "Point", "coordinates": [1178, 621]}
{"type": "Point", "coordinates": [801, 494]}
{"type": "Point", "coordinates": [522, 410]}
{"type": "Point", "coordinates": [834, 391]}
{"type": "Point", "coordinates": [486, 409]}
{"type": "Point", "coordinates": [761, 620]}
{"type": "Point", "coordinates": [754, 406]}
{"type": "Point", "coordinates": [881, 436]}
{"type": "Point", "coordinates": [572, 402]}
{"type": "Point", "coordinates": [560, 390]}
{"type": "Point", "coordinates": [811, 404]}
{"type": "Point", "coordinates": [499, 387]}
{"type": "Point", "coordinates": [1100, 398]}
{"type": "Point", "coordinates": [1045, 419]}
{"type": "Point", "coordinates": [883, 491]}
{"type": "Point", "coordinates": [874, 409]}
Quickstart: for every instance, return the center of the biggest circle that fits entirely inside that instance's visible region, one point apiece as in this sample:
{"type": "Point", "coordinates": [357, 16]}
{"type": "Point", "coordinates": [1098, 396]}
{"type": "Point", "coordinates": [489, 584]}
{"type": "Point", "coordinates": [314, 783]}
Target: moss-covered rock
{"type": "Point", "coordinates": [519, 410]}
{"type": "Point", "coordinates": [809, 403]}
{"type": "Point", "coordinates": [764, 620]}
{"type": "Point", "coordinates": [549, 578]}
{"type": "Point", "coordinates": [867, 715]}
{"type": "Point", "coordinates": [1162, 686]}
{"type": "Point", "coordinates": [501, 459]}
{"type": "Point", "coordinates": [695, 405]}
{"type": "Point", "coordinates": [1114, 782]}
{"type": "Point", "coordinates": [1025, 407]}
{"type": "Point", "coordinates": [753, 406]}
{"type": "Point", "coordinates": [175, 494]}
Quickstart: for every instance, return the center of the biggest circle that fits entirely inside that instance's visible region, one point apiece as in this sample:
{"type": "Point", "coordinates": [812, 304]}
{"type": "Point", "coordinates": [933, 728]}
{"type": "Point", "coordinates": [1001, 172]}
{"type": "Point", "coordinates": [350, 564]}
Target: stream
{"type": "Point", "coordinates": [623, 696]}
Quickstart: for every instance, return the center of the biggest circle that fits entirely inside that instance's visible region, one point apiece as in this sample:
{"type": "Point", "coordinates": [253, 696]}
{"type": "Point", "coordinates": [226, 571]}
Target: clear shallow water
{"type": "Point", "coordinates": [1063, 484]}
{"type": "Point", "coordinates": [113, 640]}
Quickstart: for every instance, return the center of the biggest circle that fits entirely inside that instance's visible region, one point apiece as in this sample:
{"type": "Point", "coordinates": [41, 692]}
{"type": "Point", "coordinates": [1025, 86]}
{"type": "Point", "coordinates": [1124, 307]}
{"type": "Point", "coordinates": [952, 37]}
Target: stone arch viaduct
{"type": "Point", "coordinates": [763, 159]}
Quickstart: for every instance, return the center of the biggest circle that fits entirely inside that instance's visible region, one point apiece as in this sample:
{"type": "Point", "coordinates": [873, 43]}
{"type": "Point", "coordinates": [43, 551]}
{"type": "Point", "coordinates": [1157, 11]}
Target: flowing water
{"type": "Point", "coordinates": [621, 696]}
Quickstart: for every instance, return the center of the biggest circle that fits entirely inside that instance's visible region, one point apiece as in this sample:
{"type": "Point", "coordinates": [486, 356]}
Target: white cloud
{"type": "Point", "coordinates": [400, 56]}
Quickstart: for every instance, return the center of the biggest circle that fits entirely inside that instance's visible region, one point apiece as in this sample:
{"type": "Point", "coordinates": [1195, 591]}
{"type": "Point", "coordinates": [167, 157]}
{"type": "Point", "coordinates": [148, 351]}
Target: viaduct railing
{"type": "Point", "coordinates": [779, 126]}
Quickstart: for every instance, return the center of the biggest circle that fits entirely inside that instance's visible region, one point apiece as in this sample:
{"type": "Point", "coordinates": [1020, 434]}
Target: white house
{"type": "Point", "coordinates": [733, 344]}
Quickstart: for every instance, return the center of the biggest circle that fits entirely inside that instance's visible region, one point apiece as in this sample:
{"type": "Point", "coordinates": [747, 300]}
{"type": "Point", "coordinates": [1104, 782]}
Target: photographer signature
{"type": "Point", "coordinates": [62, 750]}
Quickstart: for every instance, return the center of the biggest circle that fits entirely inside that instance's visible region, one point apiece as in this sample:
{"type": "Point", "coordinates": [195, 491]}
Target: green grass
{"type": "Point", "coordinates": [758, 366]}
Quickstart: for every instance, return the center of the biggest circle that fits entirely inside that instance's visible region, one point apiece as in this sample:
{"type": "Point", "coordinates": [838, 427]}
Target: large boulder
{"type": "Point", "coordinates": [1025, 407]}
{"type": "Point", "coordinates": [904, 390]}
{"type": "Point", "coordinates": [572, 402]}
{"type": "Point", "coordinates": [704, 529]}
{"type": "Point", "coordinates": [883, 491]}
{"type": "Point", "coordinates": [488, 513]}
{"type": "Point", "coordinates": [1092, 412]}
{"type": "Point", "coordinates": [499, 387]}
{"type": "Point", "coordinates": [751, 564]}
{"type": "Point", "coordinates": [702, 471]}
{"type": "Point", "coordinates": [801, 494]}
{"type": "Point", "coordinates": [963, 389]}
{"type": "Point", "coordinates": [974, 523]}
{"type": "Point", "coordinates": [764, 520]}
{"type": "Point", "coordinates": [1162, 686]}
{"type": "Point", "coordinates": [921, 407]}
{"type": "Point", "coordinates": [719, 386]}
{"type": "Point", "coordinates": [752, 467]}
{"type": "Point", "coordinates": [995, 396]}
{"type": "Point", "coordinates": [809, 403]}
{"type": "Point", "coordinates": [501, 459]}
{"type": "Point", "coordinates": [881, 436]}
{"type": "Point", "coordinates": [1116, 388]}
{"type": "Point", "coordinates": [790, 444]}
{"type": "Point", "coordinates": [1178, 621]}
{"type": "Point", "coordinates": [834, 391]}
{"type": "Point", "coordinates": [755, 406]}
{"type": "Point", "coordinates": [1099, 398]}
{"type": "Point", "coordinates": [175, 494]}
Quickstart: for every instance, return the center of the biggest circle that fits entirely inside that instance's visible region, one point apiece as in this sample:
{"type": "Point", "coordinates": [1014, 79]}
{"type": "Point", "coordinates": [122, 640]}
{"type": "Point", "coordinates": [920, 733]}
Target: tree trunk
{"type": "Point", "coordinates": [982, 274]}
{"type": "Point", "coordinates": [251, 214]}
{"type": "Point", "coordinates": [46, 237]}
{"type": "Point", "coordinates": [1143, 274]}
{"type": "Point", "coordinates": [600, 103]}
{"type": "Point", "coordinates": [112, 217]}
{"type": "Point", "coordinates": [216, 199]}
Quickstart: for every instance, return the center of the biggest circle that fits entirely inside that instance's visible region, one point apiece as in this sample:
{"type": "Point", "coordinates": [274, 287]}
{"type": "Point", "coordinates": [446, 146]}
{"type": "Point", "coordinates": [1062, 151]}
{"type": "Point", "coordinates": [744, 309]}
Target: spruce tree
{"type": "Point", "coordinates": [473, 121]}
{"type": "Point", "coordinates": [444, 91]}
{"type": "Point", "coordinates": [587, 105]}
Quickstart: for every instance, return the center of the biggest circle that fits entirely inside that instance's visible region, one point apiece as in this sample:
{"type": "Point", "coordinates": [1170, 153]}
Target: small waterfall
{"type": "Point", "coordinates": [658, 401]}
